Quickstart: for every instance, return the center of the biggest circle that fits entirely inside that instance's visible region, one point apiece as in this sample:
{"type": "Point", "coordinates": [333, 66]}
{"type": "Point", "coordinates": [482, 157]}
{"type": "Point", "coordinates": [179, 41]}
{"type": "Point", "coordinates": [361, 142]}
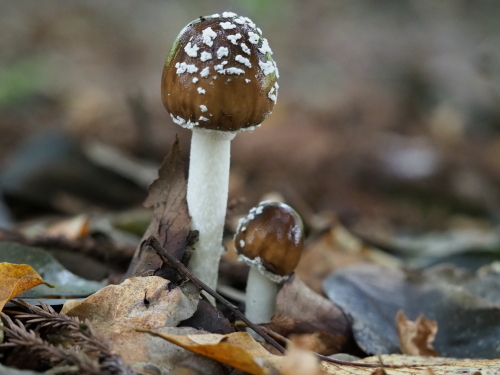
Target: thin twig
{"type": "Point", "coordinates": [183, 271]}
{"type": "Point", "coordinates": [283, 339]}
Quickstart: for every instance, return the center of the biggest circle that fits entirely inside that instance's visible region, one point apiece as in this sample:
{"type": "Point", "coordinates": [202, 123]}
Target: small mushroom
{"type": "Point", "coordinates": [270, 240]}
{"type": "Point", "coordinates": [219, 79]}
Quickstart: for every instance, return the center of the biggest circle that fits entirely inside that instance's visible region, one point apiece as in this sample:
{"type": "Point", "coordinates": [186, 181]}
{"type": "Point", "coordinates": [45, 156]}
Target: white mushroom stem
{"type": "Point", "coordinates": [261, 297]}
{"type": "Point", "coordinates": [207, 199]}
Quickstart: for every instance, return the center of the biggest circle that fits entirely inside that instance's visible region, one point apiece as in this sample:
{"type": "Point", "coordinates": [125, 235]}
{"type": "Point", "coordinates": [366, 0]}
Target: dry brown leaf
{"type": "Point", "coordinates": [171, 222]}
{"type": "Point", "coordinates": [299, 310]}
{"type": "Point", "coordinates": [415, 338]}
{"type": "Point", "coordinates": [15, 279]}
{"type": "Point", "coordinates": [141, 302]}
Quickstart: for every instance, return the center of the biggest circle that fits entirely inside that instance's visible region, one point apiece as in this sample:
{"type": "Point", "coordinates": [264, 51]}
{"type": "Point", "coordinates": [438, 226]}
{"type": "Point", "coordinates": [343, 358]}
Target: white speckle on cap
{"type": "Point", "coordinates": [239, 20]}
{"type": "Point", "coordinates": [249, 22]}
{"type": "Point", "coordinates": [247, 80]}
{"type": "Point", "coordinates": [227, 25]}
{"type": "Point", "coordinates": [222, 51]}
{"type": "Point", "coordinates": [215, 15]}
{"type": "Point", "coordinates": [191, 51]}
{"type": "Point", "coordinates": [242, 243]}
{"type": "Point", "coordinates": [267, 67]}
{"type": "Point", "coordinates": [276, 69]}
{"type": "Point", "coordinates": [203, 118]}
{"type": "Point", "coordinates": [195, 79]}
{"type": "Point", "coordinates": [259, 30]}
{"type": "Point", "coordinates": [208, 35]}
{"type": "Point", "coordinates": [185, 124]}
{"type": "Point", "coordinates": [253, 38]}
{"type": "Point", "coordinates": [259, 210]}
{"type": "Point", "coordinates": [183, 67]}
{"type": "Point", "coordinates": [220, 67]}
{"type": "Point", "coordinates": [228, 14]}
{"type": "Point", "coordinates": [205, 72]}
{"type": "Point", "coordinates": [234, 38]}
{"type": "Point", "coordinates": [271, 94]}
{"type": "Point", "coordinates": [237, 71]}
{"type": "Point", "coordinates": [178, 120]}
{"type": "Point", "coordinates": [265, 47]}
{"type": "Point", "coordinates": [203, 108]}
{"type": "Point", "coordinates": [243, 60]}
{"type": "Point", "coordinates": [201, 91]}
{"type": "Point", "coordinates": [245, 48]}
{"type": "Point", "coordinates": [241, 223]}
{"type": "Point", "coordinates": [205, 56]}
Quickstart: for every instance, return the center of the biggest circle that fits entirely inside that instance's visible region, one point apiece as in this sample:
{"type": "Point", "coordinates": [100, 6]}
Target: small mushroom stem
{"type": "Point", "coordinates": [207, 193]}
{"type": "Point", "coordinates": [261, 297]}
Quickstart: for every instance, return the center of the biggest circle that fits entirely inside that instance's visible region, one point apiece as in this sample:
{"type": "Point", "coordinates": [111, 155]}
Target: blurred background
{"type": "Point", "coordinates": [388, 116]}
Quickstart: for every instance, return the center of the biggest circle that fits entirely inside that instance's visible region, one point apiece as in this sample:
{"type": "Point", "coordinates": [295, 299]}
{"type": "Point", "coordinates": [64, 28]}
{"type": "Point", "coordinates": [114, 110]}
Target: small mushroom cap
{"type": "Point", "coordinates": [274, 233]}
{"type": "Point", "coordinates": [220, 75]}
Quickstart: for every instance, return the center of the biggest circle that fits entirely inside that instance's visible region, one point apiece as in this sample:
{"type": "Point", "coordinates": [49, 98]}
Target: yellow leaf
{"type": "Point", "coordinates": [15, 279]}
{"type": "Point", "coordinates": [238, 350]}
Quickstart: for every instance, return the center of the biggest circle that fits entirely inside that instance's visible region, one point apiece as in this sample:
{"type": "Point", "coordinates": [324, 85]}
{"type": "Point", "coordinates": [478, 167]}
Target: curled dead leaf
{"type": "Point", "coordinates": [415, 338]}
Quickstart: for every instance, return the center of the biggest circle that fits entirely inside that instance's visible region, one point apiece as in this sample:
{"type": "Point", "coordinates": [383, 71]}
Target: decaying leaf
{"type": "Point", "coordinates": [372, 295]}
{"type": "Point", "coordinates": [141, 302]}
{"type": "Point", "coordinates": [238, 350]}
{"type": "Point", "coordinates": [171, 222]}
{"type": "Point", "coordinates": [415, 338]}
{"type": "Point", "coordinates": [299, 310]}
{"type": "Point", "coordinates": [15, 279]}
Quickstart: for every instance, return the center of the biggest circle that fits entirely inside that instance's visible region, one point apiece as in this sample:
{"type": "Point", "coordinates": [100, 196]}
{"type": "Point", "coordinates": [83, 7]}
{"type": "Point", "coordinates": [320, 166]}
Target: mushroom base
{"type": "Point", "coordinates": [261, 297]}
{"type": "Point", "coordinates": [207, 191]}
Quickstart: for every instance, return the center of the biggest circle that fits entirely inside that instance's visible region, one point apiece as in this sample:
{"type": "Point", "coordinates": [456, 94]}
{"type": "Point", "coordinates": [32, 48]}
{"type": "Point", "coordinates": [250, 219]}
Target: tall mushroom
{"type": "Point", "coordinates": [219, 79]}
{"type": "Point", "coordinates": [270, 240]}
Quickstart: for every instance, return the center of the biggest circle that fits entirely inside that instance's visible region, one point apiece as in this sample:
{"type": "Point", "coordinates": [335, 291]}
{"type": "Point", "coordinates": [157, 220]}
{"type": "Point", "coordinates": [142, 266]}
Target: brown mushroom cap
{"type": "Point", "coordinates": [220, 75]}
{"type": "Point", "coordinates": [274, 233]}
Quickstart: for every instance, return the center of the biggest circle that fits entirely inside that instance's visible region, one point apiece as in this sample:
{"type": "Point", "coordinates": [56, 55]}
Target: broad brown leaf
{"type": "Point", "coordinates": [171, 222]}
